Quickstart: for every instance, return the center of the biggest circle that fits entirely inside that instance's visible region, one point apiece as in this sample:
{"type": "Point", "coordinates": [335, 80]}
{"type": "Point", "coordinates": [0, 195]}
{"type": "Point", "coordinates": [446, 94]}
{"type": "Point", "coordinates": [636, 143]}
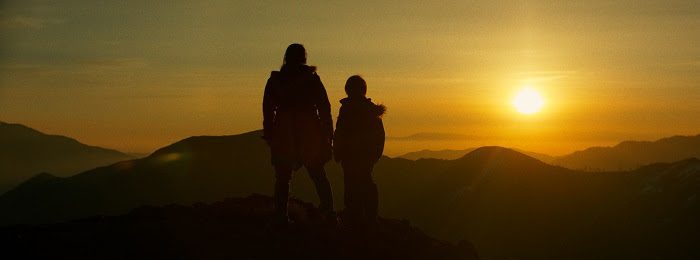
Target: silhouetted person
{"type": "Point", "coordinates": [358, 145]}
{"type": "Point", "coordinates": [298, 128]}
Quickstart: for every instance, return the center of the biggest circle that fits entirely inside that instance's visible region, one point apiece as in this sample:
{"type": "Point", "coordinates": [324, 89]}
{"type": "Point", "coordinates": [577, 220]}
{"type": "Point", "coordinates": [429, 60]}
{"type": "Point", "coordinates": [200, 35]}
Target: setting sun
{"type": "Point", "coordinates": [528, 101]}
{"type": "Point", "coordinates": [424, 129]}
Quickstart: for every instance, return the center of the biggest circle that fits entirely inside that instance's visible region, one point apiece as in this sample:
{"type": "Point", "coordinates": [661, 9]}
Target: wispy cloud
{"type": "Point", "coordinates": [76, 73]}
{"type": "Point", "coordinates": [544, 75]}
{"type": "Point", "coordinates": [20, 21]}
{"type": "Point", "coordinates": [685, 64]}
{"type": "Point", "coordinates": [114, 63]}
{"type": "Point", "coordinates": [19, 66]}
{"type": "Point", "coordinates": [429, 136]}
{"type": "Point", "coordinates": [87, 66]}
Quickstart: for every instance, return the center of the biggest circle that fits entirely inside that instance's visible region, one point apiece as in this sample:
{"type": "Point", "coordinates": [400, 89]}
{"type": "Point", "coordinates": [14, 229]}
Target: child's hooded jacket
{"type": "Point", "coordinates": [359, 134]}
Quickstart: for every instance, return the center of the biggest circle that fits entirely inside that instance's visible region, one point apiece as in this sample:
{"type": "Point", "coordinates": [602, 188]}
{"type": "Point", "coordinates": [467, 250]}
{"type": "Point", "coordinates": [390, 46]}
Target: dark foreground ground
{"type": "Point", "coordinates": [232, 229]}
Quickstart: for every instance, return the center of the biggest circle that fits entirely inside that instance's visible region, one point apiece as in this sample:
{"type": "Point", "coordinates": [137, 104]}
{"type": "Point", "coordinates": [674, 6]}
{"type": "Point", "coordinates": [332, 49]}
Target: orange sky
{"type": "Point", "coordinates": [136, 76]}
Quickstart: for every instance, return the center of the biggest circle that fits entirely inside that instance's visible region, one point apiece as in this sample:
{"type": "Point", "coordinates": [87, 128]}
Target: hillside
{"type": "Point", "coordinates": [196, 169]}
{"type": "Point", "coordinates": [450, 154]}
{"type": "Point", "coordinates": [445, 154]}
{"type": "Point", "coordinates": [513, 206]}
{"type": "Point", "coordinates": [25, 152]}
{"type": "Point", "coordinates": [633, 154]}
{"type": "Point", "coordinates": [627, 155]}
{"type": "Point", "coordinates": [230, 229]}
{"type": "Point", "coordinates": [508, 204]}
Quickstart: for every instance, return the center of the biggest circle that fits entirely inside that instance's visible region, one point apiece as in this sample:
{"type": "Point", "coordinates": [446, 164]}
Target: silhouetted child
{"type": "Point", "coordinates": [358, 145]}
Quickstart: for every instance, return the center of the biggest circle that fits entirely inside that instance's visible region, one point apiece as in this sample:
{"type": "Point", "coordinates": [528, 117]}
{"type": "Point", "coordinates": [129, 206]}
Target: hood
{"type": "Point", "coordinates": [298, 69]}
{"type": "Point", "coordinates": [365, 104]}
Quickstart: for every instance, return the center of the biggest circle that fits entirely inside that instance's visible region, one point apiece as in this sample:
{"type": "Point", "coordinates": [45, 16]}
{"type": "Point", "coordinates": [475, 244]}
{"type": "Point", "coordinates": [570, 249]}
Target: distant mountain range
{"type": "Point", "coordinates": [25, 152]}
{"type": "Point", "coordinates": [449, 154]}
{"type": "Point", "coordinates": [626, 155]}
{"type": "Point", "coordinates": [633, 154]}
{"type": "Point", "coordinates": [508, 204]}
{"type": "Point", "coordinates": [514, 206]}
{"type": "Point", "coordinates": [236, 228]}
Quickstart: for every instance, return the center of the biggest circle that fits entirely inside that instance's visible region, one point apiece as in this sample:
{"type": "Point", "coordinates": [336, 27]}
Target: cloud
{"type": "Point", "coordinates": [77, 73]}
{"type": "Point", "coordinates": [685, 64]}
{"type": "Point", "coordinates": [545, 75]}
{"type": "Point", "coordinates": [78, 67]}
{"type": "Point", "coordinates": [19, 66]}
{"type": "Point", "coordinates": [430, 136]}
{"type": "Point", "coordinates": [114, 63]}
{"type": "Point", "coordinates": [19, 21]}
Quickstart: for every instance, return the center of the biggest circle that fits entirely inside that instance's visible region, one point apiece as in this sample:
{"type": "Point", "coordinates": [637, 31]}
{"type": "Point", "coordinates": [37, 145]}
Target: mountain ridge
{"type": "Point", "coordinates": [626, 155]}
{"type": "Point", "coordinates": [507, 203]}
{"type": "Point", "coordinates": [25, 152]}
{"type": "Point", "coordinates": [451, 154]}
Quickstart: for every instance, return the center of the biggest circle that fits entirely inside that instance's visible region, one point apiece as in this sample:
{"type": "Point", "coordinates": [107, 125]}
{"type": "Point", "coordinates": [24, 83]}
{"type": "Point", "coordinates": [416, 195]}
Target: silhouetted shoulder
{"type": "Point", "coordinates": [310, 69]}
{"type": "Point", "coordinates": [361, 106]}
{"type": "Point", "coordinates": [377, 109]}
{"type": "Point", "coordinates": [273, 80]}
{"type": "Point", "coordinates": [296, 71]}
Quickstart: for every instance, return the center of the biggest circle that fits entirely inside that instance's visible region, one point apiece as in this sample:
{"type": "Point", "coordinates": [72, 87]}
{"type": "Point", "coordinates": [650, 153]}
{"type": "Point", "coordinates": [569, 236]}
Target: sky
{"type": "Point", "coordinates": [139, 75]}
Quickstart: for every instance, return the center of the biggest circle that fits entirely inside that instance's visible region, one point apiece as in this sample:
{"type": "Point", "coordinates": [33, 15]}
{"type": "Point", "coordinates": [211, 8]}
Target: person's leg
{"type": "Point", "coordinates": [372, 196]}
{"type": "Point", "coordinates": [323, 187]}
{"type": "Point", "coordinates": [283, 174]}
{"type": "Point", "coordinates": [367, 192]}
{"type": "Point", "coordinates": [353, 193]}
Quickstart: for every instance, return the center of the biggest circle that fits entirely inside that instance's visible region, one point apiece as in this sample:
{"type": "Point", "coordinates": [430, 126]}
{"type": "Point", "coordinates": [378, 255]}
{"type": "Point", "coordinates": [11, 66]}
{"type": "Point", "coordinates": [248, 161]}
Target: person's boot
{"type": "Point", "coordinates": [326, 205]}
{"type": "Point", "coordinates": [325, 195]}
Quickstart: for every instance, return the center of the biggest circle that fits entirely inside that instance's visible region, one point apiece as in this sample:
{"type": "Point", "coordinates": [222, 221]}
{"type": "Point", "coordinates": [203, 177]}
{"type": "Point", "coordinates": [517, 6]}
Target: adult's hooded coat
{"type": "Point", "coordinates": [297, 118]}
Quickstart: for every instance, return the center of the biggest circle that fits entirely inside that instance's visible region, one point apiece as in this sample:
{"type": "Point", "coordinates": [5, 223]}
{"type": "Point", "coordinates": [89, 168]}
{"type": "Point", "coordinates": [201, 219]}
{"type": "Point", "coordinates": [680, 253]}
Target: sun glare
{"type": "Point", "coordinates": [528, 101]}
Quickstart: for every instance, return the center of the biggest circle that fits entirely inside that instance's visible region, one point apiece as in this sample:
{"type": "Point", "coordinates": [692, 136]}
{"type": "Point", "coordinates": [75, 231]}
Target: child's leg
{"type": "Point", "coordinates": [372, 206]}
{"type": "Point", "coordinates": [353, 192]}
{"type": "Point", "coordinates": [370, 202]}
